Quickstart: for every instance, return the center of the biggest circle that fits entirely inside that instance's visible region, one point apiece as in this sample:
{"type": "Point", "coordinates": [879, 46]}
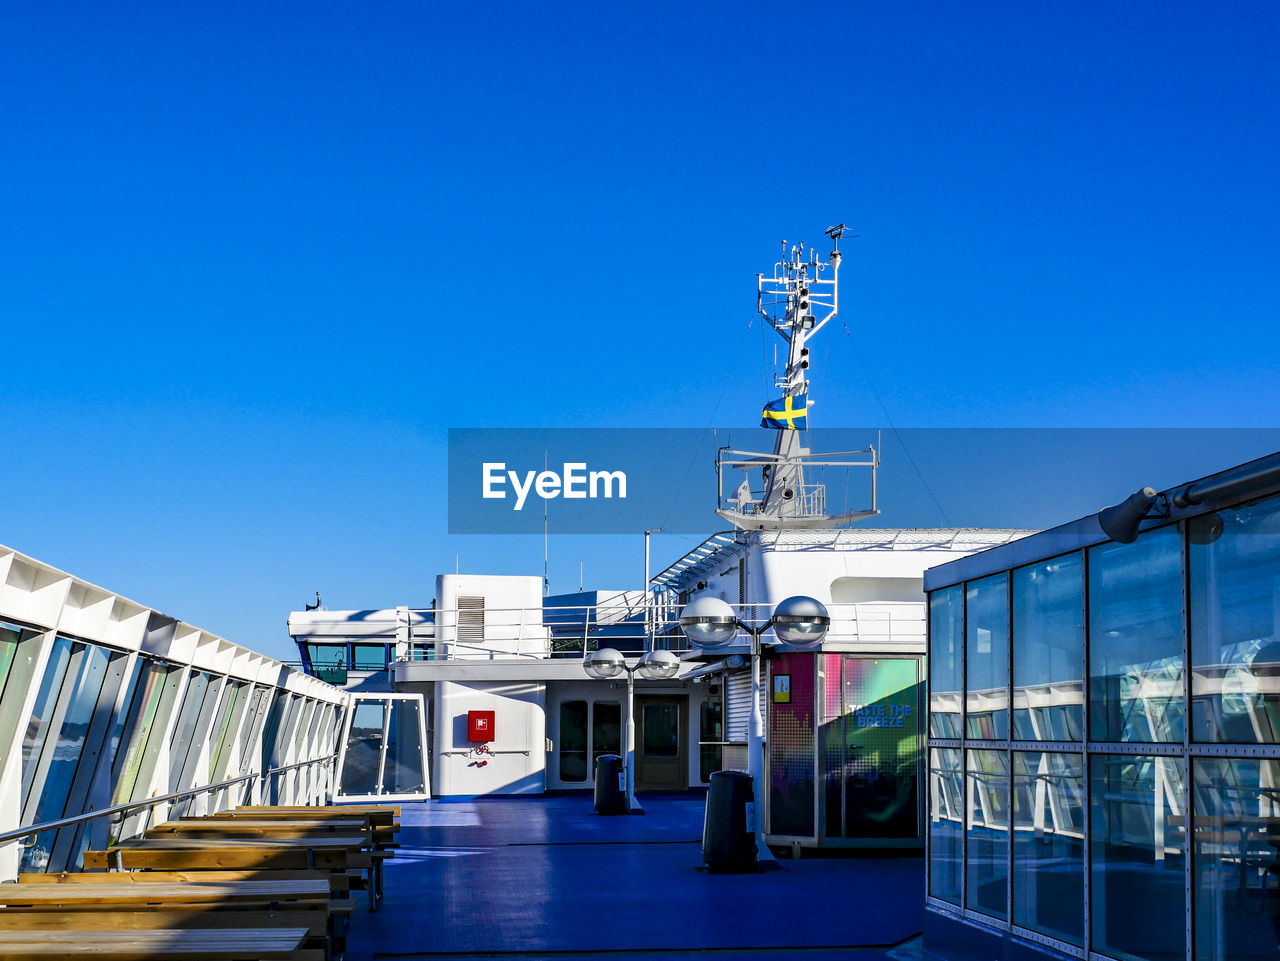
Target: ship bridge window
{"type": "Point", "coordinates": [328, 662]}
{"type": "Point", "coordinates": [369, 657]}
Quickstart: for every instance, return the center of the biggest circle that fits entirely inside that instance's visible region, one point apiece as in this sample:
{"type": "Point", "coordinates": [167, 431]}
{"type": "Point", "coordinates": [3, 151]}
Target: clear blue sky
{"type": "Point", "coordinates": [256, 257]}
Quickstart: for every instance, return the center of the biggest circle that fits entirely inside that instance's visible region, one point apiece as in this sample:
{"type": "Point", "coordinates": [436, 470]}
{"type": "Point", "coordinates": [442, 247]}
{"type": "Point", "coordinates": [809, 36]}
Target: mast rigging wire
{"type": "Point", "coordinates": [892, 426]}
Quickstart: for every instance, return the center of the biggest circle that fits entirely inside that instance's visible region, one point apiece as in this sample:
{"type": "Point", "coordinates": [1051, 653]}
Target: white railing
{"type": "Point", "coordinates": [574, 630]}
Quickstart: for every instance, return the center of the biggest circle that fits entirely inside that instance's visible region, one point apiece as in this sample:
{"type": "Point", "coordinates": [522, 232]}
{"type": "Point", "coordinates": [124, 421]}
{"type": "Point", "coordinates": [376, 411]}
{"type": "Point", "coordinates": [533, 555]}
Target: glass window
{"type": "Point", "coordinates": [369, 657]}
{"type": "Point", "coordinates": [946, 823]}
{"type": "Point", "coordinates": [1234, 558]}
{"type": "Point", "coordinates": [573, 741]}
{"type": "Point", "coordinates": [403, 771]}
{"type": "Point", "coordinates": [328, 662]}
{"type": "Point", "coordinates": [1237, 856]}
{"type": "Point", "coordinates": [1135, 638]}
{"type": "Point", "coordinates": [1137, 882]}
{"type": "Point", "coordinates": [661, 730]}
{"type": "Point", "coordinates": [710, 733]}
{"type": "Point", "coordinates": [987, 657]}
{"type": "Point", "coordinates": [364, 749]}
{"type": "Point", "coordinates": [946, 638]}
{"type": "Point", "coordinates": [1048, 843]}
{"type": "Point", "coordinates": [987, 834]}
{"type": "Point", "coordinates": [1048, 650]}
{"type": "Point", "coordinates": [606, 729]}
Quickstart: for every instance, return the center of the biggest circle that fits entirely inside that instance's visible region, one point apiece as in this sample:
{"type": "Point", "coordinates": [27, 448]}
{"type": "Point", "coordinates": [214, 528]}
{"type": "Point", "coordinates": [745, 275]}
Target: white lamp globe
{"type": "Point", "coordinates": [709, 622]}
{"type": "Point", "coordinates": [657, 665]}
{"type": "Point", "coordinates": [801, 621]}
{"type": "Point", "coordinates": [604, 664]}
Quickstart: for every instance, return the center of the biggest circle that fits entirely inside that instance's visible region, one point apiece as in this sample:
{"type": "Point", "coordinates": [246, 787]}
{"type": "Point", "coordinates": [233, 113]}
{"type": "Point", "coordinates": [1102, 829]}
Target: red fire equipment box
{"type": "Point", "coordinates": [479, 725]}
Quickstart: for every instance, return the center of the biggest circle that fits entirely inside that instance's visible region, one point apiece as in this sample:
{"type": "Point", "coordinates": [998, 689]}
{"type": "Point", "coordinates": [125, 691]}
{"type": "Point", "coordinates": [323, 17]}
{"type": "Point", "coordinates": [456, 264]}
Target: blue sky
{"type": "Point", "coordinates": [256, 258]}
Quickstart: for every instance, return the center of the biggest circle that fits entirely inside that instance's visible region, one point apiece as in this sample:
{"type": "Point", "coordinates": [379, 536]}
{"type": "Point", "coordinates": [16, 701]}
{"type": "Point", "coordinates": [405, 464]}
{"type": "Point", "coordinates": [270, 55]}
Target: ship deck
{"type": "Point", "coordinates": [545, 877]}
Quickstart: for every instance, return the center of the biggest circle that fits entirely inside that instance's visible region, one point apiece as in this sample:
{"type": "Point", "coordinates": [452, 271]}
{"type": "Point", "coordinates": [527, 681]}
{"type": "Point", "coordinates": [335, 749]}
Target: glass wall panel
{"type": "Point", "coordinates": [144, 729]}
{"type": "Point", "coordinates": [225, 730]}
{"type": "Point", "coordinates": [1138, 806]}
{"type": "Point", "coordinates": [946, 651]}
{"type": "Point", "coordinates": [9, 639]}
{"type": "Point", "coordinates": [1236, 841]}
{"type": "Point", "coordinates": [573, 741]}
{"type": "Point", "coordinates": [69, 723]}
{"type": "Point", "coordinates": [184, 735]}
{"type": "Point", "coordinates": [1135, 638]}
{"type": "Point", "coordinates": [987, 834]}
{"type": "Point", "coordinates": [42, 713]}
{"type": "Point", "coordinates": [987, 657]}
{"type": "Point", "coordinates": [881, 747]}
{"type": "Point", "coordinates": [946, 823]}
{"type": "Point", "coordinates": [259, 702]}
{"type": "Point", "coordinates": [606, 729]}
{"type": "Point", "coordinates": [364, 749]}
{"type": "Point", "coordinates": [1048, 650]}
{"type": "Point", "coordinates": [1234, 558]}
{"type": "Point", "coordinates": [404, 773]}
{"type": "Point", "coordinates": [1048, 843]}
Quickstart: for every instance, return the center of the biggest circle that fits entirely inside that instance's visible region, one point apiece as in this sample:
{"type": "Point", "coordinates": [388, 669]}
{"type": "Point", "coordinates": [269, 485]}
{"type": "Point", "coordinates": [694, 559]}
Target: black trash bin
{"type": "Point", "coordinates": [728, 836]}
{"type": "Point", "coordinates": [611, 785]}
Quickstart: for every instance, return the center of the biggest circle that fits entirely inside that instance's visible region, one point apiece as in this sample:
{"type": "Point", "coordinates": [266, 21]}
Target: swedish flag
{"type": "Point", "coordinates": [786, 413]}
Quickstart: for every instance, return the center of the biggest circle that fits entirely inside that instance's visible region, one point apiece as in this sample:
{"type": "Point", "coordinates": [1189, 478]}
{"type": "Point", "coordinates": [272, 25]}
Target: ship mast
{"type": "Point", "coordinates": [797, 301]}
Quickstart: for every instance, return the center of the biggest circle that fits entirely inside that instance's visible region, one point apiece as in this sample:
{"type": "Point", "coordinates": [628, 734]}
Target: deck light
{"type": "Point", "coordinates": [658, 665]}
{"type": "Point", "coordinates": [801, 621]}
{"type": "Point", "coordinates": [608, 663]}
{"type": "Point", "coordinates": [604, 664]}
{"type": "Point", "coordinates": [798, 621]}
{"type": "Point", "coordinates": [709, 622]}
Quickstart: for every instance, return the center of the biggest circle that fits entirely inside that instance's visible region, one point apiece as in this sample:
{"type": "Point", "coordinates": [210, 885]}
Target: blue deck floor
{"type": "Point", "coordinates": [546, 877]}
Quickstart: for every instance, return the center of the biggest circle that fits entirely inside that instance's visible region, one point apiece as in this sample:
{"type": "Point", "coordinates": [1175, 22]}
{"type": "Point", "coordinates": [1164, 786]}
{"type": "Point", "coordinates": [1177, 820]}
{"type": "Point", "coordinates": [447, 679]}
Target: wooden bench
{"type": "Point", "coordinates": [338, 881]}
{"type": "Point", "coordinates": [149, 900]}
{"type": "Point", "coordinates": [193, 944]}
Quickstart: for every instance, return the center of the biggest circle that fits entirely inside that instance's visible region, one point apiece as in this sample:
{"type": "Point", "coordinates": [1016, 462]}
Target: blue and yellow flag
{"type": "Point", "coordinates": [786, 413]}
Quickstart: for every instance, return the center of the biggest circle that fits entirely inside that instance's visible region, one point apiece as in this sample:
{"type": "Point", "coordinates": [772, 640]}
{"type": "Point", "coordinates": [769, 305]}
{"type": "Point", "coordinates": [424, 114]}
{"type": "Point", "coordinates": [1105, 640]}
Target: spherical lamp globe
{"type": "Point", "coordinates": [658, 665]}
{"type": "Point", "coordinates": [709, 622]}
{"type": "Point", "coordinates": [604, 664]}
{"type": "Point", "coordinates": [801, 621]}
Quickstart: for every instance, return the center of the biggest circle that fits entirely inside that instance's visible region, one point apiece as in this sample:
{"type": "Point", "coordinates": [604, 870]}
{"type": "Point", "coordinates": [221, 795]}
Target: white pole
{"type": "Point", "coordinates": [755, 752]}
{"type": "Point", "coordinates": [633, 806]}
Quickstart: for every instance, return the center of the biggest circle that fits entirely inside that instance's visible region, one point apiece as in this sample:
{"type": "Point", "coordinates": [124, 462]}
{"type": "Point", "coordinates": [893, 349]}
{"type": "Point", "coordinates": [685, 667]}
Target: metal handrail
{"type": "Point", "coordinates": [23, 832]}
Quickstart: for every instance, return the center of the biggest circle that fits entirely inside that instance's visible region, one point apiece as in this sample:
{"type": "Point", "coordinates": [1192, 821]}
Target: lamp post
{"type": "Point", "coordinates": [798, 621]}
{"type": "Point", "coordinates": [605, 665]}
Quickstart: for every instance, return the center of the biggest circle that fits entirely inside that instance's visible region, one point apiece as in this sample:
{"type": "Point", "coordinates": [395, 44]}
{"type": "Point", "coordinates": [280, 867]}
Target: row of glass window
{"type": "Point", "coordinates": [98, 728]}
{"type": "Point", "coordinates": [1139, 810]}
{"type": "Point", "coordinates": [1124, 603]}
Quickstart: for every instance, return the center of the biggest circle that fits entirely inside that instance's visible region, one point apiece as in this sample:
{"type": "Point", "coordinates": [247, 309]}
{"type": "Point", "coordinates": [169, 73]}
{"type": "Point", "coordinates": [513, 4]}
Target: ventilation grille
{"type": "Point", "coordinates": [470, 619]}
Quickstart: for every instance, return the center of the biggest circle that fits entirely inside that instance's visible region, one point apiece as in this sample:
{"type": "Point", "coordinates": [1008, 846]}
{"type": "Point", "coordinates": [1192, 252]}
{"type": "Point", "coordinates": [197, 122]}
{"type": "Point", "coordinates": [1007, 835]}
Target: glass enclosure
{"type": "Point", "coordinates": [1070, 824]}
